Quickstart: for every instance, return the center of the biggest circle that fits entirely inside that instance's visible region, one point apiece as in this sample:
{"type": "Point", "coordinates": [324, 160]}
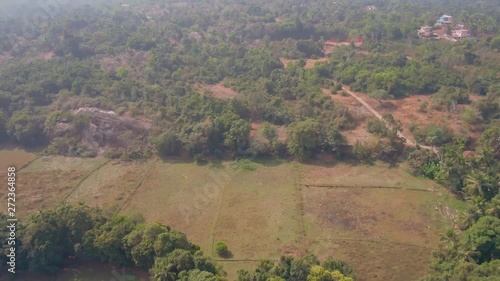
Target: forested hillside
{"type": "Point", "coordinates": [210, 80]}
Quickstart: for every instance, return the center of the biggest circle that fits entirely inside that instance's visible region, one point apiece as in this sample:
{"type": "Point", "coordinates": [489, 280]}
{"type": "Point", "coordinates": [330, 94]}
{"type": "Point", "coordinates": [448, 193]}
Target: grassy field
{"type": "Point", "coordinates": [381, 220]}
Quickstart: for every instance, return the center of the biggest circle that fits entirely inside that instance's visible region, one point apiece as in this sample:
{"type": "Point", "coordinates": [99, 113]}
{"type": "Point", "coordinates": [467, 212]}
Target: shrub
{"type": "Point", "coordinates": [363, 152]}
{"type": "Point", "coordinates": [449, 97]}
{"type": "Point", "coordinates": [221, 248]}
{"type": "Point", "coordinates": [423, 162]}
{"type": "Point", "coordinates": [423, 106]}
{"type": "Point", "coordinates": [167, 144]}
{"type": "Point", "coordinates": [432, 134]}
{"type": "Point", "coordinates": [377, 127]}
{"type": "Point", "coordinates": [470, 116]}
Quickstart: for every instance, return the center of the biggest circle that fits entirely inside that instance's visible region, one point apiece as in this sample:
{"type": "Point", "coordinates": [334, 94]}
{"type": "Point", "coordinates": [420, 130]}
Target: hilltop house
{"type": "Point", "coordinates": [444, 19]}
{"type": "Point", "coordinates": [425, 31]}
{"type": "Point", "coordinates": [460, 33]}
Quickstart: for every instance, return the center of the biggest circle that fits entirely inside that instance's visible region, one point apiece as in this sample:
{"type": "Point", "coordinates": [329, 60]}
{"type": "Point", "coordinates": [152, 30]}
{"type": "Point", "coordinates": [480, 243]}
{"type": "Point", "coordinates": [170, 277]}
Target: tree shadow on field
{"type": "Point", "coordinates": [226, 255]}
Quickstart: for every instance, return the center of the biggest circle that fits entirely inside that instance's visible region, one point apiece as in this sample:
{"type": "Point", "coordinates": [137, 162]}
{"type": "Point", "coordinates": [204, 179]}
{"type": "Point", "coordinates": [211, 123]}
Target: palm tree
{"type": "Point", "coordinates": [449, 240]}
{"type": "Point", "coordinates": [470, 216]}
{"type": "Point", "coordinates": [473, 185]}
{"type": "Point", "coordinates": [166, 274]}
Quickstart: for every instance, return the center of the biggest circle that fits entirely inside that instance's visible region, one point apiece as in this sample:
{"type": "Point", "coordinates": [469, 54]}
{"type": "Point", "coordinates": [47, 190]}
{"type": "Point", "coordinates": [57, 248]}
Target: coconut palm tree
{"type": "Point", "coordinates": [165, 274]}
{"type": "Point", "coordinates": [473, 185]}
{"type": "Point", "coordinates": [449, 240]}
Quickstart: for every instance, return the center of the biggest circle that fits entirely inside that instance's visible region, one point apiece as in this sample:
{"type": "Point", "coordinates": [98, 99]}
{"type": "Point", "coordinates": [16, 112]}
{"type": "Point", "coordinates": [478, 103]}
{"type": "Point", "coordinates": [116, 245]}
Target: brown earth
{"type": "Point", "coordinates": [328, 47]}
{"type": "Point", "coordinates": [133, 61]}
{"type": "Point", "coordinates": [218, 91]}
{"type": "Point", "coordinates": [107, 129]}
{"type": "Point", "coordinates": [407, 111]}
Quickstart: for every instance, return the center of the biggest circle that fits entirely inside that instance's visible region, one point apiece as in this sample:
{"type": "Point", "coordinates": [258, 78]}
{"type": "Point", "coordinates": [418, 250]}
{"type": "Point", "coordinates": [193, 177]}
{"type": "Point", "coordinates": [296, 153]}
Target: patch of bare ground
{"type": "Point", "coordinates": [310, 63]}
{"type": "Point", "coordinates": [133, 61]}
{"type": "Point", "coordinates": [328, 48]}
{"type": "Point", "coordinates": [45, 55]}
{"type": "Point", "coordinates": [374, 230]}
{"type": "Point", "coordinates": [217, 91]}
{"type": "Point", "coordinates": [407, 111]}
{"type": "Point", "coordinates": [359, 113]}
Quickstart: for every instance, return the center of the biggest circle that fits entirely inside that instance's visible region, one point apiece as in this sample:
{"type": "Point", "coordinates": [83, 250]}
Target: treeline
{"type": "Point", "coordinates": [471, 252]}
{"type": "Point", "coordinates": [49, 239]}
{"type": "Point", "coordinates": [306, 268]}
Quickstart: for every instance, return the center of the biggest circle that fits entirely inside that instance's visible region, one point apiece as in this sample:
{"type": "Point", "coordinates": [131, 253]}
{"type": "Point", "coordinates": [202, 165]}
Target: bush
{"type": "Point", "coordinates": [422, 107]}
{"type": "Point", "coordinates": [432, 134]}
{"type": "Point", "coordinates": [423, 162]}
{"type": "Point", "coordinates": [470, 116]}
{"type": "Point", "coordinates": [363, 152]}
{"type": "Point", "coordinates": [377, 127]}
{"type": "Point", "coordinates": [449, 97]}
{"type": "Point", "coordinates": [221, 248]}
{"type": "Point", "coordinates": [167, 144]}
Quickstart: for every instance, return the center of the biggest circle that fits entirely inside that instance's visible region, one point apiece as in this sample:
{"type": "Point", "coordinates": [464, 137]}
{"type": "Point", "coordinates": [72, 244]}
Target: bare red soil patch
{"type": "Point", "coordinates": [407, 111]}
{"type": "Point", "coordinates": [133, 61]}
{"type": "Point", "coordinates": [218, 91]}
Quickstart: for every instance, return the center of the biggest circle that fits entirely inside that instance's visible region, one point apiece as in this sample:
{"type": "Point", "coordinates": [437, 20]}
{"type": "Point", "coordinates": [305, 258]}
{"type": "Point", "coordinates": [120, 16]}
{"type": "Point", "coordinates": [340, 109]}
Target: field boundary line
{"type": "Point", "coordinates": [373, 241]}
{"type": "Point", "coordinates": [84, 178]}
{"type": "Point", "coordinates": [138, 185]}
{"type": "Point", "coordinates": [331, 186]}
{"type": "Point", "coordinates": [211, 242]}
{"type": "Point", "coordinates": [300, 198]}
{"type": "Point", "coordinates": [239, 260]}
{"type": "Point", "coordinates": [29, 163]}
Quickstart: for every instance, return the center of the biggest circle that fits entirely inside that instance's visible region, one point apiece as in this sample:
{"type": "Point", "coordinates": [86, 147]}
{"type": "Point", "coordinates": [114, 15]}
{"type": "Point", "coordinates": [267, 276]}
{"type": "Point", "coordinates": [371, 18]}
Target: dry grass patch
{"type": "Point", "coordinates": [344, 174]}
{"type": "Point", "coordinates": [259, 216]}
{"type": "Point", "coordinates": [375, 261]}
{"type": "Point", "coordinates": [375, 230]}
{"type": "Point", "coordinates": [218, 91]}
{"type": "Point", "coordinates": [16, 157]}
{"type": "Point", "coordinates": [48, 180]}
{"type": "Point", "coordinates": [174, 194]}
{"type": "Point", "coordinates": [111, 185]}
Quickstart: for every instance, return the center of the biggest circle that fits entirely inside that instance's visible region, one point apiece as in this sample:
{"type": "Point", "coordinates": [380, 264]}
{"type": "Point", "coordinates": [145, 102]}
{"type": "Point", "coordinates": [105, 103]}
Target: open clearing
{"type": "Point", "coordinates": [217, 91]}
{"type": "Point", "coordinates": [371, 216]}
{"type": "Point", "coordinates": [47, 181]}
{"type": "Point", "coordinates": [16, 157]}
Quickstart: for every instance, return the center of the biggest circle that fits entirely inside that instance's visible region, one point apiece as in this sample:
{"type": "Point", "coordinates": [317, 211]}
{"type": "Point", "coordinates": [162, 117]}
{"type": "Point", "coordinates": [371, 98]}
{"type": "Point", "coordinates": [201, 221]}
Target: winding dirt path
{"type": "Point", "coordinates": [374, 112]}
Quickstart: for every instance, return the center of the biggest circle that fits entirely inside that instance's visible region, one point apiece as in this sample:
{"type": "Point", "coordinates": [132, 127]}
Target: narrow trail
{"type": "Point", "coordinates": [379, 116]}
{"type": "Point", "coordinates": [215, 220]}
{"type": "Point", "coordinates": [300, 199]}
{"type": "Point", "coordinates": [138, 185]}
{"type": "Point", "coordinates": [83, 179]}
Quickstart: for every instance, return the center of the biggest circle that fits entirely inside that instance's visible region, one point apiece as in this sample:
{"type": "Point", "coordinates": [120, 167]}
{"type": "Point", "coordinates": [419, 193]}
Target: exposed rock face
{"type": "Point", "coordinates": [108, 130]}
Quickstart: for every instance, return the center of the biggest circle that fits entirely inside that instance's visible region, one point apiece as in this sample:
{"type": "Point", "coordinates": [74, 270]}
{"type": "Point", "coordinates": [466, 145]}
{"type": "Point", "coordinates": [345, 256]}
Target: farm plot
{"type": "Point", "coordinates": [47, 181]}
{"type": "Point", "coordinates": [378, 220]}
{"type": "Point", "coordinates": [380, 175]}
{"type": "Point", "coordinates": [182, 195]}
{"type": "Point", "coordinates": [260, 215]}
{"type": "Point", "coordinates": [14, 157]}
{"type": "Point", "coordinates": [111, 185]}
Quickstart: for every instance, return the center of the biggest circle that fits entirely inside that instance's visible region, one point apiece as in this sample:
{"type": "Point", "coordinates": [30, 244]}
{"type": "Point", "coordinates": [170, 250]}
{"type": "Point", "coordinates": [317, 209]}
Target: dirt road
{"type": "Point", "coordinates": [374, 112]}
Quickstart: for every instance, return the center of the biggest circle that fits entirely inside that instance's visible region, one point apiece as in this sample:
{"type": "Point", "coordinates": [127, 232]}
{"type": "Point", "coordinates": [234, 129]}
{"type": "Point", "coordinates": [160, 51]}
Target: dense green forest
{"type": "Point", "coordinates": [149, 62]}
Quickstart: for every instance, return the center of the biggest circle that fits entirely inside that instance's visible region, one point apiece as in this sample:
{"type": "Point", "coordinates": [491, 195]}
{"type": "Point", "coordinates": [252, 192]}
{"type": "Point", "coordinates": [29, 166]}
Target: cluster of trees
{"type": "Point", "coordinates": [472, 251]}
{"type": "Point", "coordinates": [294, 269]}
{"type": "Point", "coordinates": [49, 238]}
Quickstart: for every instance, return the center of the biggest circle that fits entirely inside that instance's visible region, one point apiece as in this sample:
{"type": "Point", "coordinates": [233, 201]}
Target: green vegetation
{"type": "Point", "coordinates": [305, 268]}
{"type": "Point", "coordinates": [50, 237]}
{"type": "Point", "coordinates": [221, 248]}
{"type": "Point", "coordinates": [127, 82]}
